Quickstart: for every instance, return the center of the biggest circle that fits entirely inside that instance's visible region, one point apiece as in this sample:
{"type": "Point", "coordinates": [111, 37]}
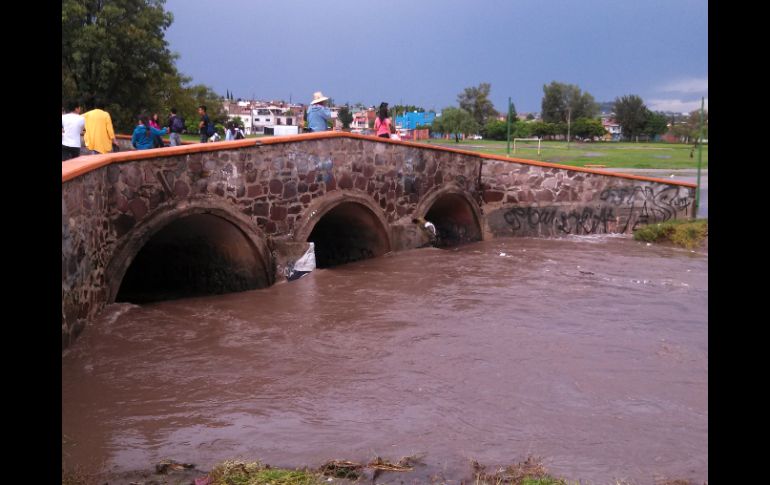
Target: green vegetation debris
{"type": "Point", "coordinates": [687, 234]}
{"type": "Point", "coordinates": [254, 473]}
{"type": "Point", "coordinates": [528, 472]}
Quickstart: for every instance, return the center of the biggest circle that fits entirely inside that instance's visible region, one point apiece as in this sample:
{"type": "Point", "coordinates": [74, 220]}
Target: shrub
{"type": "Point", "coordinates": [687, 234]}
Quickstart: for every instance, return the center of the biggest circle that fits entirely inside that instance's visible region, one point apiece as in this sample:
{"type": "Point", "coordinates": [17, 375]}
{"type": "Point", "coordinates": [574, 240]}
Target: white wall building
{"type": "Point", "coordinates": [274, 116]}
{"type": "Point", "coordinates": [242, 111]}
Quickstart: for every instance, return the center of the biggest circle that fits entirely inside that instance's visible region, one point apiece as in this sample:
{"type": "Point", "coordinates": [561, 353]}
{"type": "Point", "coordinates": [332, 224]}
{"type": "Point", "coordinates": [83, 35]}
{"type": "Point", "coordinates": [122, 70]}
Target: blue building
{"type": "Point", "coordinates": [413, 119]}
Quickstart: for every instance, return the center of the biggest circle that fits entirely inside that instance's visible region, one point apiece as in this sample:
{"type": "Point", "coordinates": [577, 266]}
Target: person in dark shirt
{"type": "Point", "coordinates": [203, 126]}
{"type": "Point", "coordinates": [175, 127]}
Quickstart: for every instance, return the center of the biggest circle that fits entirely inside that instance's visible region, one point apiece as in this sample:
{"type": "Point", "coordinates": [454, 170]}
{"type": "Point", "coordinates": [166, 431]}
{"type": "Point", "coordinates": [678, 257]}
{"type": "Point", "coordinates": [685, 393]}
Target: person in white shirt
{"type": "Point", "coordinates": [72, 126]}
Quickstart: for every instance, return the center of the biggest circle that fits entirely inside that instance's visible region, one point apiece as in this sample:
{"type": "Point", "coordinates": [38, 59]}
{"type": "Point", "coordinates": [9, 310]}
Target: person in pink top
{"type": "Point", "coordinates": [157, 142]}
{"type": "Point", "coordinates": [382, 124]}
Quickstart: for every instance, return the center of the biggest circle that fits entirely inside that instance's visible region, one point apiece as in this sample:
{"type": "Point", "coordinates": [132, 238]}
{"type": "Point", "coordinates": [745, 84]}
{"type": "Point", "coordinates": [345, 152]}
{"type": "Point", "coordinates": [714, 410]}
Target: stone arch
{"type": "Point", "coordinates": [345, 226]}
{"type": "Point", "coordinates": [455, 214]}
{"type": "Point", "coordinates": [236, 256]}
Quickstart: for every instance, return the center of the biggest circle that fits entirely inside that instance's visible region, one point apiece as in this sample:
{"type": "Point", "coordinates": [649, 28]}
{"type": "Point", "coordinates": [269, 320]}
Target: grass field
{"type": "Point", "coordinates": [196, 138]}
{"type": "Point", "coordinates": [609, 154]}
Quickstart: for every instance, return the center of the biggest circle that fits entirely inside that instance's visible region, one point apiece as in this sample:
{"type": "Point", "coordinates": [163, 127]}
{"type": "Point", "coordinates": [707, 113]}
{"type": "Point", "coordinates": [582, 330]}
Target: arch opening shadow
{"type": "Point", "coordinates": [348, 232]}
{"type": "Point", "coordinates": [199, 254]}
{"type": "Point", "coordinates": [455, 221]}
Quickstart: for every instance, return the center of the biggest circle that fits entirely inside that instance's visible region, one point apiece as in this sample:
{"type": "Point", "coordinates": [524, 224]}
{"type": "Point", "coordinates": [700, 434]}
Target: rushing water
{"type": "Point", "coordinates": [590, 352]}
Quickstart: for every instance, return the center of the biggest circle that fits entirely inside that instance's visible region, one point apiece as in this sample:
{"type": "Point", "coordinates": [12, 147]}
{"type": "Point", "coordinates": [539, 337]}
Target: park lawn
{"type": "Point", "coordinates": [196, 138]}
{"type": "Point", "coordinates": [609, 154]}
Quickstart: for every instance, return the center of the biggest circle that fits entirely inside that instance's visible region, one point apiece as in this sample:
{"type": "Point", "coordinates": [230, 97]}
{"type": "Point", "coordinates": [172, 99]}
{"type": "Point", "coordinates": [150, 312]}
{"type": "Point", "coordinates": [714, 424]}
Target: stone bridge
{"type": "Point", "coordinates": [230, 216]}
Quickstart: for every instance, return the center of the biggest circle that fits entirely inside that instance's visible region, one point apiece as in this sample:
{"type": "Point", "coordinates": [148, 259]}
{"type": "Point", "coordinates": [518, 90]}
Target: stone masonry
{"type": "Point", "coordinates": [275, 190]}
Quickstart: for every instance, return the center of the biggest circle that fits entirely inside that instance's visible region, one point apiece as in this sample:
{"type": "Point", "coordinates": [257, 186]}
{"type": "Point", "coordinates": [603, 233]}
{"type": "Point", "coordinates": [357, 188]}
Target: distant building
{"type": "Point", "coordinates": [240, 110]}
{"type": "Point", "coordinates": [257, 115]}
{"type": "Point", "coordinates": [614, 130]}
{"type": "Point", "coordinates": [272, 115]}
{"type": "Point", "coordinates": [413, 119]}
{"type": "Point", "coordinates": [362, 119]}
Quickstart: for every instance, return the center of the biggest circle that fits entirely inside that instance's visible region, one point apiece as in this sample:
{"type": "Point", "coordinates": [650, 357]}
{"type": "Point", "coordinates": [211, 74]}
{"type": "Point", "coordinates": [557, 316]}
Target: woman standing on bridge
{"type": "Point", "coordinates": [382, 124]}
{"type": "Point", "coordinates": [157, 141]}
{"type": "Point", "coordinates": [142, 138]}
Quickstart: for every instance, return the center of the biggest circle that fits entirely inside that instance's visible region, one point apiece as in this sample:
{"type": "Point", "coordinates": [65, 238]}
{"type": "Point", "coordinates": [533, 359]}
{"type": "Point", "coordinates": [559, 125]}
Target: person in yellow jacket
{"type": "Point", "coordinates": [99, 135]}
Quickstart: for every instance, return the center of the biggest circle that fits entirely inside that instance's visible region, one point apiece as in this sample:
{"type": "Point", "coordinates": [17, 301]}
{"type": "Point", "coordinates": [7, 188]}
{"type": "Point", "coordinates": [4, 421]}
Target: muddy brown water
{"type": "Point", "coordinates": [590, 352]}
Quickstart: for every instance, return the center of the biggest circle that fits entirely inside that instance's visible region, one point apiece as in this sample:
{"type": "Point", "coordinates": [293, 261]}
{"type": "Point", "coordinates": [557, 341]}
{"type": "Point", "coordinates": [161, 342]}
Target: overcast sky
{"type": "Point", "coordinates": [424, 52]}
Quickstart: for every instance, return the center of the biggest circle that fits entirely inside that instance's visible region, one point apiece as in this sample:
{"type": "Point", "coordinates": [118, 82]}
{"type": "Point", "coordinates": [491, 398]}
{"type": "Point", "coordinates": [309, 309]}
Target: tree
{"type": "Point", "coordinates": [542, 129]}
{"type": "Point", "coordinates": [693, 122]}
{"type": "Point", "coordinates": [115, 51]}
{"type": "Point", "coordinates": [400, 109]}
{"type": "Point", "coordinates": [476, 102]}
{"type": "Point", "coordinates": [345, 117]}
{"type": "Point", "coordinates": [455, 121]}
{"type": "Point", "coordinates": [514, 116]}
{"type": "Point", "coordinates": [495, 130]}
{"type": "Point", "coordinates": [498, 130]}
{"type": "Point", "coordinates": [655, 124]}
{"type": "Point", "coordinates": [631, 114]}
{"type": "Point", "coordinates": [563, 102]}
{"type": "Point", "coordinates": [521, 130]}
{"type": "Point", "coordinates": [204, 95]}
{"type": "Point", "coordinates": [689, 128]}
{"type": "Point", "coordinates": [192, 97]}
{"type": "Point", "coordinates": [588, 128]}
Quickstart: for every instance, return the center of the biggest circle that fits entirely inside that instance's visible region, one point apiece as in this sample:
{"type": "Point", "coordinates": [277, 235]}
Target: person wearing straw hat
{"type": "Point", "coordinates": [318, 113]}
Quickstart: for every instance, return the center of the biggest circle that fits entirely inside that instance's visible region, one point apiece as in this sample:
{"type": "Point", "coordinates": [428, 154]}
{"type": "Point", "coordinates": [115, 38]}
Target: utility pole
{"type": "Point", "coordinates": [509, 126]}
{"type": "Point", "coordinates": [569, 116]}
{"type": "Point", "coordinates": [700, 153]}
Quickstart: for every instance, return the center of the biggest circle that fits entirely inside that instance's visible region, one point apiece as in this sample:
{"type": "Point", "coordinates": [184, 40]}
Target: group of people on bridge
{"type": "Point", "coordinates": [95, 127]}
{"type": "Point", "coordinates": [97, 133]}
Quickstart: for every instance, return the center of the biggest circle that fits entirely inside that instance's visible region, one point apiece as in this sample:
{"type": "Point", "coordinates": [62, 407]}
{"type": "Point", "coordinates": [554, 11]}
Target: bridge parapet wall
{"type": "Point", "coordinates": [522, 199]}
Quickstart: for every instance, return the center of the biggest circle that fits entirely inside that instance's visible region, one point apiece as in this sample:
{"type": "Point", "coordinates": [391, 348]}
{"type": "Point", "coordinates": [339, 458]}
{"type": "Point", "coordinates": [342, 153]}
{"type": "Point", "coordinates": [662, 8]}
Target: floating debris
{"type": "Point", "coordinates": [380, 464]}
{"type": "Point", "coordinates": [341, 469]}
{"type": "Point", "coordinates": [166, 466]}
{"type": "Point", "coordinates": [527, 471]}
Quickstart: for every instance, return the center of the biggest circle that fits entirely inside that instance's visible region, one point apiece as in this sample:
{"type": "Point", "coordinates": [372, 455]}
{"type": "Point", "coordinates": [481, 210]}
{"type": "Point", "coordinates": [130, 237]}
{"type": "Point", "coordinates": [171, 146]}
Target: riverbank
{"type": "Point", "coordinates": [686, 234]}
{"type": "Point", "coordinates": [531, 471]}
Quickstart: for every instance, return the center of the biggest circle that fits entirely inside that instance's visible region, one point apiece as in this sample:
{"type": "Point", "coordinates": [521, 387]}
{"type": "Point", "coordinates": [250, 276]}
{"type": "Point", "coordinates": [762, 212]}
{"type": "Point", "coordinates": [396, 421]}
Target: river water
{"type": "Point", "coordinates": [590, 352]}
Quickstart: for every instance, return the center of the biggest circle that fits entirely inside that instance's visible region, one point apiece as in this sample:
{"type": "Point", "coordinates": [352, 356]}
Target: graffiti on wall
{"type": "Point", "coordinates": [642, 205]}
{"type": "Point", "coordinates": [623, 209]}
{"type": "Point", "coordinates": [588, 220]}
